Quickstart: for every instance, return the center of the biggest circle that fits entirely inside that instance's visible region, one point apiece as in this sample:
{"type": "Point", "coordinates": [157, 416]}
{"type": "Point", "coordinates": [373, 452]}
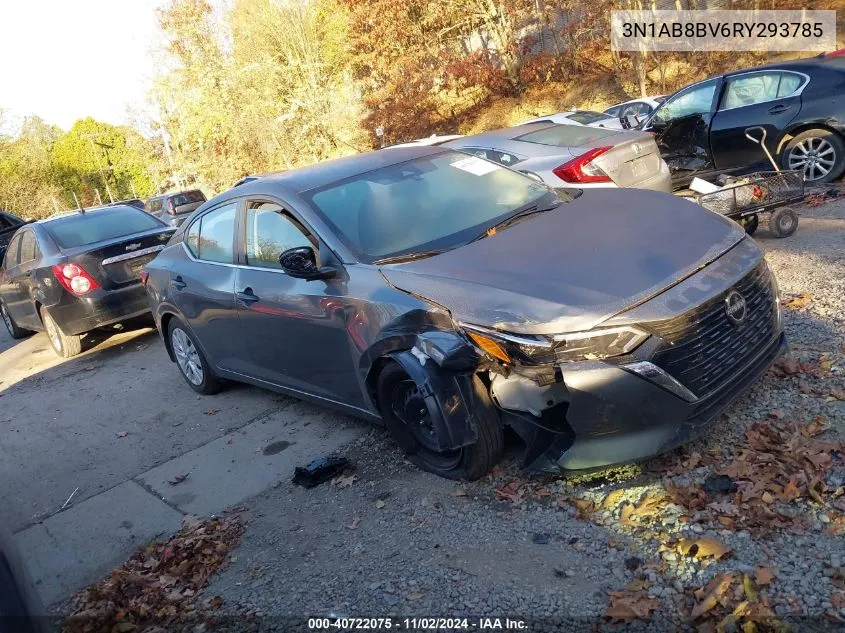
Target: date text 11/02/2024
{"type": "Point", "coordinates": [420, 624]}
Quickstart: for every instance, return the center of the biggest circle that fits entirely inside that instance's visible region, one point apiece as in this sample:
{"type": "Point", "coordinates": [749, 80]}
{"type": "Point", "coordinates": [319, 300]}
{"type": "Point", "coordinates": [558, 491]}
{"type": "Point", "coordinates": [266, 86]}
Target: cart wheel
{"type": "Point", "coordinates": [750, 223]}
{"type": "Point", "coordinates": [783, 222]}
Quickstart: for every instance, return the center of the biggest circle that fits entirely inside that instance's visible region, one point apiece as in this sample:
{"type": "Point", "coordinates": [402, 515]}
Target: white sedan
{"type": "Point", "coordinates": [577, 117]}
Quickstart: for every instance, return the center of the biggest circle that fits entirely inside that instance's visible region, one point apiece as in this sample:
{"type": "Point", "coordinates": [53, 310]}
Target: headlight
{"type": "Point", "coordinates": [597, 344]}
{"type": "Point", "coordinates": [562, 348]}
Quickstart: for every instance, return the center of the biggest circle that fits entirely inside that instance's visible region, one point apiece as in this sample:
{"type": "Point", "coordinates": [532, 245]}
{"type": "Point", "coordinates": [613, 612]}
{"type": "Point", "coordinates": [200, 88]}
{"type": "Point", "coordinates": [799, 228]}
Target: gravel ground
{"type": "Point", "coordinates": [400, 542]}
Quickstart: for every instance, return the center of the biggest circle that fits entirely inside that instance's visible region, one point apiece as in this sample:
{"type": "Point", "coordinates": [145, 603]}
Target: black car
{"type": "Point", "coordinates": [447, 296]}
{"type": "Point", "coordinates": [174, 208]}
{"type": "Point", "coordinates": [72, 273]}
{"type": "Point", "coordinates": [801, 104]}
{"type": "Point", "coordinates": [9, 223]}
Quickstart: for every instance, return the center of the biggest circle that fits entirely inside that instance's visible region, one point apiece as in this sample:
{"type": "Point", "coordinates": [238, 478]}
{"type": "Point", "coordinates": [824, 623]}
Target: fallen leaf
{"type": "Point", "coordinates": [178, 479]}
{"type": "Point", "coordinates": [355, 522]}
{"type": "Point", "coordinates": [344, 482]}
{"type": "Point", "coordinates": [798, 302]}
{"type": "Point", "coordinates": [825, 364]}
{"type": "Point", "coordinates": [459, 492]}
{"type": "Point", "coordinates": [612, 500]}
{"type": "Point", "coordinates": [703, 548]}
{"type": "Point", "coordinates": [380, 503]}
{"type": "Point", "coordinates": [583, 507]}
{"type": "Point", "coordinates": [767, 497]}
{"type": "Point", "coordinates": [211, 411]}
{"type": "Point", "coordinates": [712, 594]}
{"type": "Point", "coordinates": [839, 394]}
{"type": "Point", "coordinates": [764, 576]}
{"type": "Point", "coordinates": [749, 588]}
{"type": "Point", "coordinates": [629, 605]}
{"type": "Point", "coordinates": [123, 433]}
{"type": "Point", "coordinates": [415, 596]}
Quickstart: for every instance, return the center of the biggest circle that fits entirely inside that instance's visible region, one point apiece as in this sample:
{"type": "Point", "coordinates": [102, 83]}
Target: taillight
{"type": "Point", "coordinates": [839, 53]}
{"type": "Point", "coordinates": [144, 275]}
{"type": "Point", "coordinates": [170, 208]}
{"type": "Point", "coordinates": [581, 168]}
{"type": "Point", "coordinates": [74, 279]}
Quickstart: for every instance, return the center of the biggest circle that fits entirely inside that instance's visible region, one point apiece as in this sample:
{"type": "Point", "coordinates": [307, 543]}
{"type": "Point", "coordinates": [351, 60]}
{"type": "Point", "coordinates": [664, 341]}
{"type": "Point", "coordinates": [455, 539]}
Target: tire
{"type": "Point", "coordinates": [469, 462]}
{"type": "Point", "coordinates": [190, 360]}
{"type": "Point", "coordinates": [750, 223]}
{"type": "Point", "coordinates": [819, 153]}
{"type": "Point", "coordinates": [783, 222]}
{"type": "Point", "coordinates": [15, 331]}
{"type": "Point", "coordinates": [64, 345]}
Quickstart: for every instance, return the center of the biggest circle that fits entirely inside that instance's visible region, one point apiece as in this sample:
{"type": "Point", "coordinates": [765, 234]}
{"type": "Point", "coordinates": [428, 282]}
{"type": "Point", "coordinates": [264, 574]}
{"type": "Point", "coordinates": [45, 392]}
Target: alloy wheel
{"type": "Point", "coordinates": [187, 356]}
{"type": "Point", "coordinates": [814, 156]}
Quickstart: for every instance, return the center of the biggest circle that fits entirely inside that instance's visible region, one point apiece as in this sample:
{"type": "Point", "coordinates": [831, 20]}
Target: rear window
{"type": "Point", "coordinates": [188, 197]}
{"type": "Point", "coordinates": [97, 226]}
{"type": "Point", "coordinates": [566, 135]}
{"type": "Point", "coordinates": [585, 117]}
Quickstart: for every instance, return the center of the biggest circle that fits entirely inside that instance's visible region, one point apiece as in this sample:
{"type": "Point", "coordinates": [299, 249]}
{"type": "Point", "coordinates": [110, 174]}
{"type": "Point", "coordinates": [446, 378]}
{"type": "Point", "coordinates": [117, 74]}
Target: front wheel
{"type": "Point", "coordinates": [190, 360]}
{"type": "Point", "coordinates": [63, 344]}
{"type": "Point", "coordinates": [14, 330]}
{"type": "Point", "coordinates": [783, 222]}
{"type": "Point", "coordinates": [406, 416]}
{"type": "Point", "coordinates": [819, 154]}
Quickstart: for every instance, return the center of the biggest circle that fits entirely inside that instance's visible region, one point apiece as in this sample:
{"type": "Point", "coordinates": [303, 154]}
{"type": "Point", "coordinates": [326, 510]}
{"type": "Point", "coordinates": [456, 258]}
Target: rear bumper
{"type": "Point", "coordinates": [616, 416]}
{"type": "Point", "coordinates": [77, 315]}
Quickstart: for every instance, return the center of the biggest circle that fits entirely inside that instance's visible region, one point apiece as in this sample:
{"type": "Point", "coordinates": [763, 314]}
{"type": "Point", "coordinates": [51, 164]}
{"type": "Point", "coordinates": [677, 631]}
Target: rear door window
{"type": "Point", "coordinates": [98, 226]}
{"type": "Point", "coordinates": [28, 248]}
{"type": "Point", "coordinates": [211, 237]}
{"type": "Point", "coordinates": [10, 260]}
{"type": "Point", "coordinates": [751, 89]}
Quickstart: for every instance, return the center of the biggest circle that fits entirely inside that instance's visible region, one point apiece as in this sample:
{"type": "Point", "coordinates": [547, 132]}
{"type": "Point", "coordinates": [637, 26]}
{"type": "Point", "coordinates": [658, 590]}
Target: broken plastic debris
{"type": "Point", "coordinates": [319, 471]}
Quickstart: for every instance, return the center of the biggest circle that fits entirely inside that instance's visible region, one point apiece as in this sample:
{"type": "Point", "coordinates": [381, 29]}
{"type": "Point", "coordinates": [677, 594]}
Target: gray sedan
{"type": "Point", "coordinates": [574, 156]}
{"type": "Point", "coordinates": [447, 297]}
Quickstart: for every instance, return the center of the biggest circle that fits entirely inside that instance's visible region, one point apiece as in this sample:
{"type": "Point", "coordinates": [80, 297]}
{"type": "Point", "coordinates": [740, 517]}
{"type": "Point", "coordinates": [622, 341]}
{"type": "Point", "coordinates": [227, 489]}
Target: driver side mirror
{"type": "Point", "coordinates": [301, 263]}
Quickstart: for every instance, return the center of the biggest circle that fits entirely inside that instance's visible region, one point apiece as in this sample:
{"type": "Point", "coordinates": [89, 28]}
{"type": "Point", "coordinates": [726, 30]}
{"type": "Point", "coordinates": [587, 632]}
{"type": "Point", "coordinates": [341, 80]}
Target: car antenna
{"type": "Point", "coordinates": [79, 207]}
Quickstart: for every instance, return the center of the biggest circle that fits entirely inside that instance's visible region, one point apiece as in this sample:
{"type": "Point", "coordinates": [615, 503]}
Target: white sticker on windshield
{"type": "Point", "coordinates": [475, 165]}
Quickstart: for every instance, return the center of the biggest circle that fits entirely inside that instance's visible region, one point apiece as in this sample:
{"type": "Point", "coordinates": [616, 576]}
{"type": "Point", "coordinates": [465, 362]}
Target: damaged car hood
{"type": "Point", "coordinates": [574, 267]}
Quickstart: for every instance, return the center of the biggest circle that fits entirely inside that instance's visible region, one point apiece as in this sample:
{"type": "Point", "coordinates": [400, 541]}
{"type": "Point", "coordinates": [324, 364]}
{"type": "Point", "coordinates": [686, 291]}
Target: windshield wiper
{"type": "Point", "coordinates": [513, 219]}
{"type": "Point", "coordinates": [407, 257]}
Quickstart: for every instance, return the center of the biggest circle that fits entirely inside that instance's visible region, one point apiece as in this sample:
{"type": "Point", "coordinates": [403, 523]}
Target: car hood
{"type": "Point", "coordinates": [574, 267]}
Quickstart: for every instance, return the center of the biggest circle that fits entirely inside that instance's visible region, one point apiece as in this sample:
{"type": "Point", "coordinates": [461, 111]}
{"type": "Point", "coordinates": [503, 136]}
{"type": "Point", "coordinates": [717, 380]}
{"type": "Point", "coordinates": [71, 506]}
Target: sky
{"type": "Point", "coordinates": [67, 59]}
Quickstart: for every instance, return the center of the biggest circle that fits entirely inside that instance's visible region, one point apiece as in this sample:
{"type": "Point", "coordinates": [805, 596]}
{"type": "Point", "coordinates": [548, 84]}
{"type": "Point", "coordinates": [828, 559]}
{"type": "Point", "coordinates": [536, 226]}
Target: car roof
{"type": "Point", "coordinates": [116, 208]}
{"type": "Point", "coordinates": [504, 134]}
{"type": "Point", "coordinates": [330, 171]}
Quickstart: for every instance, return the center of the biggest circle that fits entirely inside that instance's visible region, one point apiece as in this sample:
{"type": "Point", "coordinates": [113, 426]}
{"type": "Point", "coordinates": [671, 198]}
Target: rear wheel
{"type": "Point", "coordinates": [64, 345]}
{"type": "Point", "coordinates": [14, 330]}
{"type": "Point", "coordinates": [190, 360]}
{"type": "Point", "coordinates": [819, 154]}
{"type": "Point", "coordinates": [783, 222]}
{"type": "Point", "coordinates": [405, 413]}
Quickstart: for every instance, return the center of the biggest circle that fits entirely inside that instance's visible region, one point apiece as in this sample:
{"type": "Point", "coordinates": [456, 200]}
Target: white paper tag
{"type": "Point", "coordinates": [475, 165]}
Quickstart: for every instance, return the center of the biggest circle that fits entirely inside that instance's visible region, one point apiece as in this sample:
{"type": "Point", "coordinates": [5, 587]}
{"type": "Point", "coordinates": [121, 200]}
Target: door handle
{"type": "Point", "coordinates": [178, 282]}
{"type": "Point", "coordinates": [247, 296]}
{"type": "Point", "coordinates": [778, 109]}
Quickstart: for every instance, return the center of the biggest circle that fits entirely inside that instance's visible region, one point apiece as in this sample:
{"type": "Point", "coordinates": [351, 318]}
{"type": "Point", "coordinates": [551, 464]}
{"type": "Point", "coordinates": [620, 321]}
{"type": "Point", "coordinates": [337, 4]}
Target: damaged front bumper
{"type": "Point", "coordinates": [613, 414]}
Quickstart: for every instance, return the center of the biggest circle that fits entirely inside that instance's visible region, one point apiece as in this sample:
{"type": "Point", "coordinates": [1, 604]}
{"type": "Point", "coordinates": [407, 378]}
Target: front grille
{"type": "Point", "coordinates": [703, 348]}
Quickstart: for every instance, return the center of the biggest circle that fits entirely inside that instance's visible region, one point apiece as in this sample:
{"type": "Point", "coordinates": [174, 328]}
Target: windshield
{"type": "Point", "coordinates": [566, 135]}
{"type": "Point", "coordinates": [585, 117]}
{"type": "Point", "coordinates": [97, 226]}
{"type": "Point", "coordinates": [431, 203]}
